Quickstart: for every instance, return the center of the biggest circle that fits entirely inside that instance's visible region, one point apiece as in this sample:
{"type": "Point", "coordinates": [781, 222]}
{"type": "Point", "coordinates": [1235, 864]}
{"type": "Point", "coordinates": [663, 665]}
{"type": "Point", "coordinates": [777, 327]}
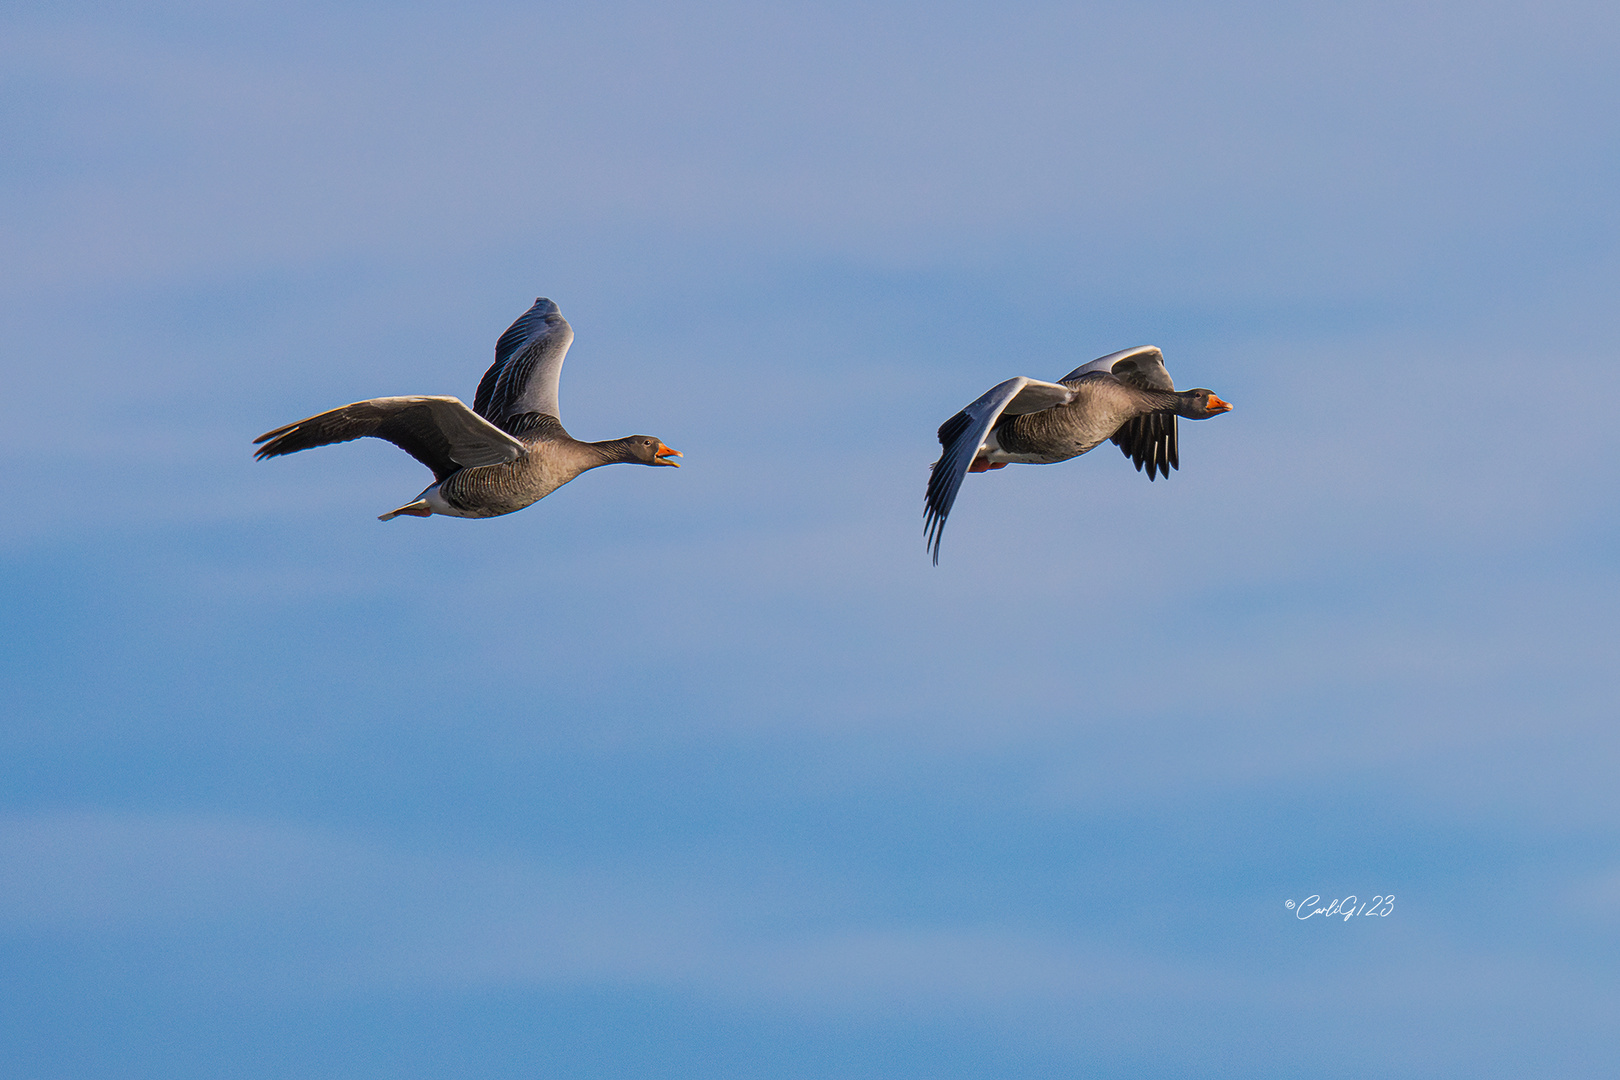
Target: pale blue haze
{"type": "Point", "coordinates": [708, 773]}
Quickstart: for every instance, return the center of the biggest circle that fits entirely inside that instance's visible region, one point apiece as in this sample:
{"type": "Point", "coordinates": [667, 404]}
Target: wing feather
{"type": "Point", "coordinates": [1142, 366]}
{"type": "Point", "coordinates": [963, 434]}
{"type": "Point", "coordinates": [528, 366]}
{"type": "Point", "coordinates": [440, 432]}
{"type": "Point", "coordinates": [1150, 442]}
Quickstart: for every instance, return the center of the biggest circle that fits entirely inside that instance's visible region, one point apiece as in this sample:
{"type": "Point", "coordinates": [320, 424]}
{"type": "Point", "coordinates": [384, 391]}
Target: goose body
{"type": "Point", "coordinates": [1127, 397]}
{"type": "Point", "coordinates": [508, 451]}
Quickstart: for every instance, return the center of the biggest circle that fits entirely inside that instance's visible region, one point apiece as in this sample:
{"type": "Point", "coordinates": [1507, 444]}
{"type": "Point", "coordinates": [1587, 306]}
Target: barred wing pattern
{"type": "Point", "coordinates": [528, 367]}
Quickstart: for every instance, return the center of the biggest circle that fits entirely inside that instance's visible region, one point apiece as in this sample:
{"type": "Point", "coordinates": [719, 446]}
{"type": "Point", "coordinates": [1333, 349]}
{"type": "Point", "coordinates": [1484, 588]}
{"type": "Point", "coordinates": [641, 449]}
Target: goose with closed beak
{"type": "Point", "coordinates": [1127, 397]}
{"type": "Point", "coordinates": [509, 450]}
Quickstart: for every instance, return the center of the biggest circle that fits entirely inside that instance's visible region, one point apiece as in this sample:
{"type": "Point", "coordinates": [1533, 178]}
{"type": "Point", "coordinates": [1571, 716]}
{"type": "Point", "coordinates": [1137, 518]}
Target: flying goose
{"type": "Point", "coordinates": [507, 451]}
{"type": "Point", "coordinates": [1125, 396]}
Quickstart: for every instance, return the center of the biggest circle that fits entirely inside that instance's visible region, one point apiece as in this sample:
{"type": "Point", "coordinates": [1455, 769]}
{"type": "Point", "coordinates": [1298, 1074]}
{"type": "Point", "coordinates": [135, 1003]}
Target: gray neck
{"type": "Point", "coordinates": [543, 427]}
{"type": "Point", "coordinates": [1176, 401]}
{"type": "Point", "coordinates": [611, 452]}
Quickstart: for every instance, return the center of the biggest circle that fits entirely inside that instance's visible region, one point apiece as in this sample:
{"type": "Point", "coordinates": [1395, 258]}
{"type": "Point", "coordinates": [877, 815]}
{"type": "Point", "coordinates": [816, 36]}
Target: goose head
{"type": "Point", "coordinates": [650, 451]}
{"type": "Point", "coordinates": [1201, 404]}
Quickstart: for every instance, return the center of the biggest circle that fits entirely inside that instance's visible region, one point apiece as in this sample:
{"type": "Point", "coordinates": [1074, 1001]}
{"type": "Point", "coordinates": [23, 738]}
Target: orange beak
{"type": "Point", "coordinates": [1217, 405]}
{"type": "Point", "coordinates": [663, 453]}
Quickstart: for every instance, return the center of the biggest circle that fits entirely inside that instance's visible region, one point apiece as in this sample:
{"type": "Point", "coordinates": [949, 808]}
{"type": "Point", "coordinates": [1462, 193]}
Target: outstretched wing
{"type": "Point", "coordinates": [440, 432]}
{"type": "Point", "coordinates": [527, 368]}
{"type": "Point", "coordinates": [1148, 440]}
{"type": "Point", "coordinates": [963, 434]}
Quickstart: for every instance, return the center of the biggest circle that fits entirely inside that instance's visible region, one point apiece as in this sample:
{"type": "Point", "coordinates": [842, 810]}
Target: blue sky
{"type": "Point", "coordinates": [709, 773]}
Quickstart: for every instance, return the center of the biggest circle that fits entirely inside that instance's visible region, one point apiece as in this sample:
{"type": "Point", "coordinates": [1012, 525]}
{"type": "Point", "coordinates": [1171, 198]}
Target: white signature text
{"type": "Point", "coordinates": [1346, 908]}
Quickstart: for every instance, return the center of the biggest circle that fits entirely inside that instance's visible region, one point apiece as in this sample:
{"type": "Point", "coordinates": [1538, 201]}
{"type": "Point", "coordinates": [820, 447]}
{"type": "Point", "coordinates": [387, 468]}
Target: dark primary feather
{"type": "Point", "coordinates": [411, 428]}
{"type": "Point", "coordinates": [942, 486]}
{"type": "Point", "coordinates": [950, 429]}
{"type": "Point", "coordinates": [1150, 441]}
{"type": "Point", "coordinates": [944, 479]}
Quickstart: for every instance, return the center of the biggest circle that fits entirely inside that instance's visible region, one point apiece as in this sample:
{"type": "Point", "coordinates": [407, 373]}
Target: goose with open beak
{"type": "Point", "coordinates": [509, 450]}
{"type": "Point", "coordinates": [1127, 397]}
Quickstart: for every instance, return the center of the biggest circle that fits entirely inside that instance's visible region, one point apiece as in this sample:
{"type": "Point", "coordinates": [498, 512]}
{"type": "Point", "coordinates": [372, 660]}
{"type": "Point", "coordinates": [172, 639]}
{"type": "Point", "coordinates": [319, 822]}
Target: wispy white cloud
{"type": "Point", "coordinates": [352, 916]}
{"type": "Point", "coordinates": [792, 241]}
{"type": "Point", "coordinates": [1292, 147]}
{"type": "Point", "coordinates": [268, 911]}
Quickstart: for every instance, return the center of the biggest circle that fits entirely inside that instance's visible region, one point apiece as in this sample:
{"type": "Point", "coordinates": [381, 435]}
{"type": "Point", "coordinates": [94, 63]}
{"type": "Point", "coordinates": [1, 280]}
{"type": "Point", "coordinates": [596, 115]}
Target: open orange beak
{"type": "Point", "coordinates": [663, 453]}
{"type": "Point", "coordinates": [1217, 405]}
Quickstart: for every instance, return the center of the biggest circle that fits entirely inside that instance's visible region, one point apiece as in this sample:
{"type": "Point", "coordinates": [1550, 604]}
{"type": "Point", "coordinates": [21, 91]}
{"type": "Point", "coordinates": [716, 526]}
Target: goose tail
{"type": "Point", "coordinates": [419, 508]}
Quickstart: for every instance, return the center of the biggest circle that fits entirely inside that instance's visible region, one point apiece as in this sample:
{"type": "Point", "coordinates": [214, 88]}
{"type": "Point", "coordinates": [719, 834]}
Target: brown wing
{"type": "Point", "coordinates": [440, 432]}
